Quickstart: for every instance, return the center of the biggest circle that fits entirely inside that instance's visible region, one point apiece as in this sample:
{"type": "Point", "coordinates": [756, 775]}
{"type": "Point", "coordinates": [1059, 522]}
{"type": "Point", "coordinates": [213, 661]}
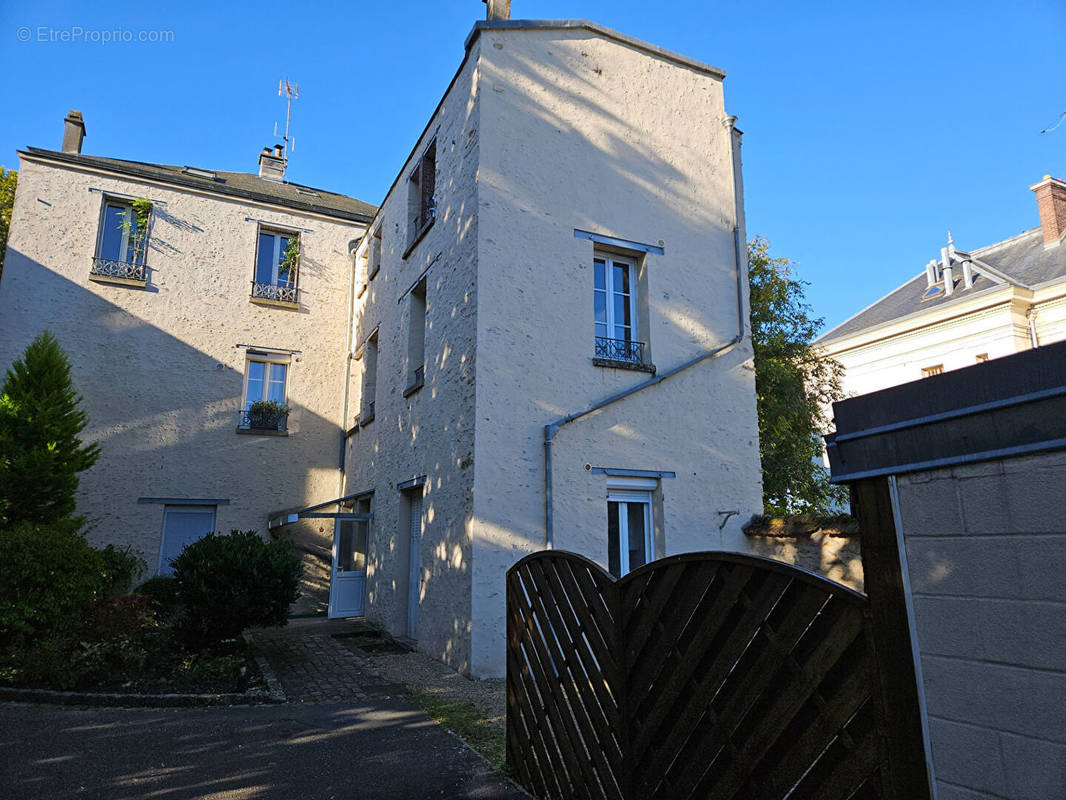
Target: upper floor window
{"type": "Point", "coordinates": [277, 266]}
{"type": "Point", "coordinates": [374, 251]}
{"type": "Point", "coordinates": [615, 311]}
{"type": "Point", "coordinates": [264, 407]}
{"type": "Point", "coordinates": [421, 204]}
{"type": "Point", "coordinates": [369, 355]}
{"type": "Point", "coordinates": [416, 339]}
{"type": "Point", "coordinates": [123, 240]}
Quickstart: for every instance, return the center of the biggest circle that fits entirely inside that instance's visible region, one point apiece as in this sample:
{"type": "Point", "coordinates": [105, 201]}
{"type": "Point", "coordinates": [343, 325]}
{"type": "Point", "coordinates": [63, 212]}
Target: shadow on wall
{"type": "Point", "coordinates": [164, 412]}
{"type": "Point", "coordinates": [827, 547]}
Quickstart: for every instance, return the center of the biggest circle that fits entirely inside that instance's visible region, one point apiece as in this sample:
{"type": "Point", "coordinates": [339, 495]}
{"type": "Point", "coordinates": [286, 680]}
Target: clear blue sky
{"type": "Point", "coordinates": [867, 132]}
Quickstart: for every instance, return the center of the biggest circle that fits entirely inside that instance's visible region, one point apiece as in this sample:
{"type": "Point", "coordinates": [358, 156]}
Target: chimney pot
{"type": "Point", "coordinates": [497, 9]}
{"type": "Point", "coordinates": [1051, 203]}
{"type": "Point", "coordinates": [272, 164]}
{"type": "Point", "coordinates": [949, 278]}
{"type": "Point", "coordinates": [73, 132]}
{"type": "Point", "coordinates": [967, 275]}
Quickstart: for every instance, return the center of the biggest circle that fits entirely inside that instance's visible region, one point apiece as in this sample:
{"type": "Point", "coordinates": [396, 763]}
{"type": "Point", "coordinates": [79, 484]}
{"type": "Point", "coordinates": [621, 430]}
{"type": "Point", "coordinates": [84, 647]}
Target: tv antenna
{"type": "Point", "coordinates": [291, 91]}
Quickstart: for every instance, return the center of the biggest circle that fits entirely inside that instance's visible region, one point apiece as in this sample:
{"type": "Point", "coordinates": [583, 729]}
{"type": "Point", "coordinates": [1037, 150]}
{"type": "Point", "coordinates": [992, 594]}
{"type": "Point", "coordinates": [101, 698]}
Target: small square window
{"type": "Point", "coordinates": [277, 267]}
{"type": "Point", "coordinates": [936, 369]}
{"type": "Point", "coordinates": [264, 409]}
{"type": "Point", "coordinates": [981, 358]}
{"type": "Point", "coordinates": [123, 241]}
{"type": "Point", "coordinates": [182, 525]}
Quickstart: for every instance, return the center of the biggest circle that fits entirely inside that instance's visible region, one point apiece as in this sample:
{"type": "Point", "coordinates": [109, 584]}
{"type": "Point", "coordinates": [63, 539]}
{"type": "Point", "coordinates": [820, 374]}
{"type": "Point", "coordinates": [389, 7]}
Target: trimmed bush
{"type": "Point", "coordinates": [49, 574]}
{"type": "Point", "coordinates": [162, 594]}
{"type": "Point", "coordinates": [228, 583]}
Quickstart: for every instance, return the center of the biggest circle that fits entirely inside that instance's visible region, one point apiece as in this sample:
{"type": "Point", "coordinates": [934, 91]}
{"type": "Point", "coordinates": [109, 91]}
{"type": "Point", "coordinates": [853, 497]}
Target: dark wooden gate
{"type": "Point", "coordinates": [712, 675]}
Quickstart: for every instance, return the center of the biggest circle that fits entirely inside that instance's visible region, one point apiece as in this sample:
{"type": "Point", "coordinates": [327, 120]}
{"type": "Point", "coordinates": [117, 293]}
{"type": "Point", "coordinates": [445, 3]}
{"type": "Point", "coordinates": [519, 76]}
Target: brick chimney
{"type": "Point", "coordinates": [73, 132]}
{"type": "Point", "coordinates": [497, 9]}
{"type": "Point", "coordinates": [272, 163]}
{"type": "Point", "coordinates": [1051, 202]}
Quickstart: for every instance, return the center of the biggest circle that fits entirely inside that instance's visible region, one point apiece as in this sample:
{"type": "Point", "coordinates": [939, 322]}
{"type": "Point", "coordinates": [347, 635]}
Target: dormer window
{"type": "Point", "coordinates": [277, 263]}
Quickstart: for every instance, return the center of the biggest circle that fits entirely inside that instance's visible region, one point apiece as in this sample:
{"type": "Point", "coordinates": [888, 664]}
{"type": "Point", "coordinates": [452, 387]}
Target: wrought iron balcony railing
{"type": "Point", "coordinates": [109, 268]}
{"type": "Point", "coordinates": [272, 291]}
{"type": "Point", "coordinates": [262, 422]}
{"type": "Point", "coordinates": [622, 350]}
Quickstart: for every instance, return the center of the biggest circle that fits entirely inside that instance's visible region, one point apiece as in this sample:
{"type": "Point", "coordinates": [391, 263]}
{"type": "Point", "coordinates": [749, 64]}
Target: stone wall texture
{"type": "Point", "coordinates": [161, 369]}
{"type": "Point", "coordinates": [986, 554]}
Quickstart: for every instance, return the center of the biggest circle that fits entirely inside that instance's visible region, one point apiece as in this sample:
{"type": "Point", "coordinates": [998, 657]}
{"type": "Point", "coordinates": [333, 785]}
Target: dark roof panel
{"type": "Point", "coordinates": [235, 184]}
{"type": "Point", "coordinates": [1023, 259]}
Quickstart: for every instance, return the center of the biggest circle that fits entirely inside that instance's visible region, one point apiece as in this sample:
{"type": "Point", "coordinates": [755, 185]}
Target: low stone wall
{"type": "Point", "coordinates": [828, 546]}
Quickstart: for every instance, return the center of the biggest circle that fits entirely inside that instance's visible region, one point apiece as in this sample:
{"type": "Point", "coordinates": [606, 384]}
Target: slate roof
{"type": "Point", "coordinates": [1021, 260]}
{"type": "Point", "coordinates": [233, 184]}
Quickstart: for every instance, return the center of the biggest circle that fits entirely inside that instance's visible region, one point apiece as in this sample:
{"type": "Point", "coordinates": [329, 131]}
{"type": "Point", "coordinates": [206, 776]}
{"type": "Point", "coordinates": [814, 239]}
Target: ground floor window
{"type": "Point", "coordinates": [182, 525]}
{"type": "Point", "coordinates": [630, 538]}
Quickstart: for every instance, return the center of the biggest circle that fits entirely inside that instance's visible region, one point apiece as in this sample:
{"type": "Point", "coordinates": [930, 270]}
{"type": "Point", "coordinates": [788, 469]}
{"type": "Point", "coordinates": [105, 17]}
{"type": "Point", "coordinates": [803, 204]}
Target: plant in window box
{"type": "Point", "coordinates": [136, 226]}
{"type": "Point", "coordinates": [290, 262]}
{"type": "Point", "coordinates": [266, 414]}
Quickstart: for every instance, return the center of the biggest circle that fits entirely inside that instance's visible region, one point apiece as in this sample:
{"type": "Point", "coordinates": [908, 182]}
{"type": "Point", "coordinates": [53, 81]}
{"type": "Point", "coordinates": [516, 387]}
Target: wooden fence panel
{"type": "Point", "coordinates": [710, 675]}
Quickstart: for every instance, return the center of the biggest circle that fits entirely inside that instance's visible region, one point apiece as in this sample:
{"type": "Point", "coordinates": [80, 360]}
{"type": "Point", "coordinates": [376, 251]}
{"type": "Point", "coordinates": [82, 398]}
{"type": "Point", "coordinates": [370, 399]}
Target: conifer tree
{"type": "Point", "coordinates": [40, 452]}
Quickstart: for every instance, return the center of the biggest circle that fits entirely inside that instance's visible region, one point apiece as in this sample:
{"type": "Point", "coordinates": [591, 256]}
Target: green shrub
{"type": "Point", "coordinates": [118, 569]}
{"type": "Point", "coordinates": [40, 452]}
{"type": "Point", "coordinates": [162, 594]}
{"type": "Point", "coordinates": [228, 583]}
{"type": "Point", "coordinates": [49, 574]}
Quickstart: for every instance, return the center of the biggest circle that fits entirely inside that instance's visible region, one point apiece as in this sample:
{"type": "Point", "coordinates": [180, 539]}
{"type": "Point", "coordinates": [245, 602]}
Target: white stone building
{"type": "Point", "coordinates": [964, 308]}
{"type": "Point", "coordinates": [171, 339]}
{"type": "Point", "coordinates": [568, 227]}
{"type": "Point", "coordinates": [541, 340]}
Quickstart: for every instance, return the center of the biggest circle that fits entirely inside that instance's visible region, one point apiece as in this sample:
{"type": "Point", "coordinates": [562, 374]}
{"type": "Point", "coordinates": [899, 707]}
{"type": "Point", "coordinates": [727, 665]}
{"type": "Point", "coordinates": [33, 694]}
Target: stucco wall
{"type": "Point", "coordinates": [431, 432]}
{"type": "Point", "coordinates": [986, 553]}
{"type": "Point", "coordinates": [160, 369]}
{"type": "Point", "coordinates": [582, 132]}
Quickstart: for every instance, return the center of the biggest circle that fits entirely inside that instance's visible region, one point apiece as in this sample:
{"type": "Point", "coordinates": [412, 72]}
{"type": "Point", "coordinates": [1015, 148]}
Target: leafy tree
{"type": "Point", "coordinates": [40, 452]}
{"type": "Point", "coordinates": [794, 385]}
{"type": "Point", "coordinates": [8, 179]}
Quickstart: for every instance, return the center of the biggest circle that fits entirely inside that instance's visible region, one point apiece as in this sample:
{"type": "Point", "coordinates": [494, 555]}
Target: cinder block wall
{"type": "Point", "coordinates": [986, 552]}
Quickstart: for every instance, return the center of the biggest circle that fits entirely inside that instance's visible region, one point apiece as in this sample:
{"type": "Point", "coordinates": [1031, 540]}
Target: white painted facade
{"type": "Point", "coordinates": [434, 362]}
{"type": "Point", "coordinates": [550, 131]}
{"type": "Point", "coordinates": [162, 367]}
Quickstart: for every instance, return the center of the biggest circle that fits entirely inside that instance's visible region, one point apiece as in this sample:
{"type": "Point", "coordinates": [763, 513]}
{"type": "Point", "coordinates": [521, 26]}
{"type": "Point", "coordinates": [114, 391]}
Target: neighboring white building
{"type": "Point", "coordinates": [541, 340]}
{"type": "Point", "coordinates": [170, 341]}
{"type": "Point", "coordinates": [966, 307]}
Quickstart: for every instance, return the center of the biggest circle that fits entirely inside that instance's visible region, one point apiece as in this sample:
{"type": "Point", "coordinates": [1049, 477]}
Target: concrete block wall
{"type": "Point", "coordinates": [986, 553]}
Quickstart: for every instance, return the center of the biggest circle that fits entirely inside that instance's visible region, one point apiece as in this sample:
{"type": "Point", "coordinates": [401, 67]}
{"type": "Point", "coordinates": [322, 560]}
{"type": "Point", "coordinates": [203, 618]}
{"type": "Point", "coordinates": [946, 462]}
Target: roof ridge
{"type": "Point", "coordinates": [1004, 242]}
{"type": "Point", "coordinates": [825, 337]}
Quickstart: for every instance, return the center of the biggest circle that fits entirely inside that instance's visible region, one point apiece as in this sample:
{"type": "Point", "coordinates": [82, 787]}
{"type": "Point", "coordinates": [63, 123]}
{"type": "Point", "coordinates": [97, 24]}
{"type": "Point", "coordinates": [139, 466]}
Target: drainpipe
{"type": "Point", "coordinates": [551, 428]}
{"type": "Point", "coordinates": [1031, 314]}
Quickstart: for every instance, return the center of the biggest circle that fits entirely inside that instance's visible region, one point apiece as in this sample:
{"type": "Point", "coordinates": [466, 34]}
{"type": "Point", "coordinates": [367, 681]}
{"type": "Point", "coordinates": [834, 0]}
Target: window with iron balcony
{"type": "Point", "coordinates": [421, 200]}
{"type": "Point", "coordinates": [122, 243]}
{"type": "Point", "coordinates": [615, 314]}
{"type": "Point", "coordinates": [277, 268]}
{"type": "Point", "coordinates": [264, 409]}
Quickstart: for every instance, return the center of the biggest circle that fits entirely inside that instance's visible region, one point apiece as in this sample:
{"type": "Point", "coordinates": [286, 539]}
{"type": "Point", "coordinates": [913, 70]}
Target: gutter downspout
{"type": "Point", "coordinates": [551, 428]}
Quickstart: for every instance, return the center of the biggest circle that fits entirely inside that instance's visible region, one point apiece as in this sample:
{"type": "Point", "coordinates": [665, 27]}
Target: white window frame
{"type": "Point", "coordinates": [270, 360]}
{"type": "Point", "coordinates": [609, 262]}
{"type": "Point", "coordinates": [276, 234]}
{"type": "Point", "coordinates": [633, 490]}
{"type": "Point", "coordinates": [164, 569]}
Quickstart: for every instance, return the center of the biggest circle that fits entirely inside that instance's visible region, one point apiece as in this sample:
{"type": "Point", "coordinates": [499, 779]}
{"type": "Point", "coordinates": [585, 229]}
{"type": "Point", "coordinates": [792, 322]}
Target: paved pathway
{"type": "Point", "coordinates": [377, 748]}
{"type": "Point", "coordinates": [314, 662]}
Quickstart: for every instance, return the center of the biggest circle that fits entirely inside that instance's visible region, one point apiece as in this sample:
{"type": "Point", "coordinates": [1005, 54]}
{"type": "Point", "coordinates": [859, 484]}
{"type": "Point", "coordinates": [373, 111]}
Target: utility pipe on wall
{"type": "Point", "coordinates": [551, 428]}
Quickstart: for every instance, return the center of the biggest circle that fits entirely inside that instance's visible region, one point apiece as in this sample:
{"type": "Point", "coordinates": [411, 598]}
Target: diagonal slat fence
{"type": "Point", "coordinates": [710, 675]}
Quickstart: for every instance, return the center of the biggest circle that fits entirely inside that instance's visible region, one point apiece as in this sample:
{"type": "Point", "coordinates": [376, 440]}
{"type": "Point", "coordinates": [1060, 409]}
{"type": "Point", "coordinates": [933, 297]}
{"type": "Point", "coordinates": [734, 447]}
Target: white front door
{"type": "Point", "coordinates": [414, 573]}
{"type": "Point", "coordinates": [347, 586]}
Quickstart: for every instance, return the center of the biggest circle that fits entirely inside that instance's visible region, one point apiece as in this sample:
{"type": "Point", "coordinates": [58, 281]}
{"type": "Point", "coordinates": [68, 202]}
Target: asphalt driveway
{"type": "Point", "coordinates": [377, 748]}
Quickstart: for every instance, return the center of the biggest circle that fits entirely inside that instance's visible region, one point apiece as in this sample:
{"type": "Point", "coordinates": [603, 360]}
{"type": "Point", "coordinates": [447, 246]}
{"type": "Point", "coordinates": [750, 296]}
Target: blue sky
{"type": "Point", "coordinates": [868, 131]}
